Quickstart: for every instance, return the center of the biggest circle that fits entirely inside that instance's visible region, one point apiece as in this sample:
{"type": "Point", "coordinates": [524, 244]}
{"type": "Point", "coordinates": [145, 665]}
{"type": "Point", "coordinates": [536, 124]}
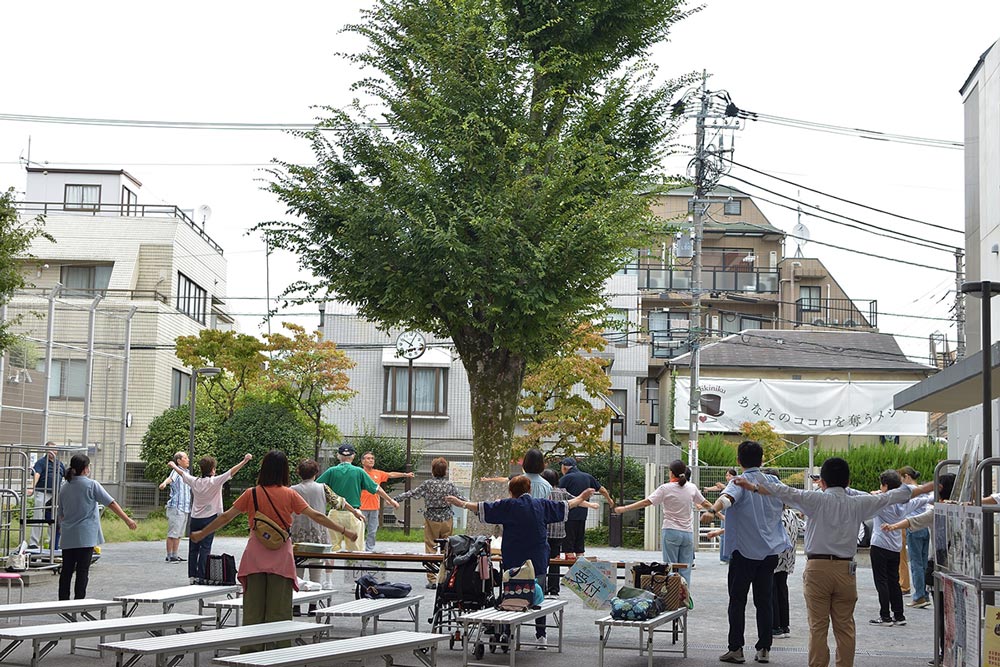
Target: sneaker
{"type": "Point", "coordinates": [168, 559]}
{"type": "Point", "coordinates": [922, 603]}
{"type": "Point", "coordinates": [763, 655]}
{"type": "Point", "coordinates": [735, 656]}
{"type": "Point", "coordinates": [779, 633]}
{"type": "Point", "coordinates": [431, 586]}
{"type": "Point", "coordinates": [542, 643]}
{"type": "Point", "coordinates": [178, 559]}
{"type": "Point", "coordinates": [881, 621]}
{"type": "Point", "coordinates": [899, 621]}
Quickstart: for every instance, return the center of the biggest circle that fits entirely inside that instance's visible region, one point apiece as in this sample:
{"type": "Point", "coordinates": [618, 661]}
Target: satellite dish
{"type": "Point", "coordinates": [204, 212]}
{"type": "Point", "coordinates": [803, 235]}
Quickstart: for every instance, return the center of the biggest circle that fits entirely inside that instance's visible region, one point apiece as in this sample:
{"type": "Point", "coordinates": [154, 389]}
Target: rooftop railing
{"type": "Point", "coordinates": [666, 278]}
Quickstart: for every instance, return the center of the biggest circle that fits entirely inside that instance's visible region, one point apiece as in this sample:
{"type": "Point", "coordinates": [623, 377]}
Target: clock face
{"type": "Point", "coordinates": [410, 345]}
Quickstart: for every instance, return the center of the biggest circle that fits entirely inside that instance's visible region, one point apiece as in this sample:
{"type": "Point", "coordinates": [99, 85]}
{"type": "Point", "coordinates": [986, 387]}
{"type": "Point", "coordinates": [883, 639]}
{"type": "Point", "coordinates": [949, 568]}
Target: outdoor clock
{"type": "Point", "coordinates": [410, 345]}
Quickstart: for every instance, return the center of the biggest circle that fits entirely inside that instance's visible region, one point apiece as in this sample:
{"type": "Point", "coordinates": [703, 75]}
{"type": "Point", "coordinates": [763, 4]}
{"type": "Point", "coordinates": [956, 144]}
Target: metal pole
{"type": "Point", "coordinates": [49, 335]}
{"type": "Point", "coordinates": [193, 414]}
{"type": "Point", "coordinates": [959, 305]}
{"type": "Point", "coordinates": [409, 437]}
{"type": "Point", "coordinates": [3, 377]}
{"type": "Point", "coordinates": [694, 324]}
{"type": "Point", "coordinates": [987, 356]}
{"type": "Point", "coordinates": [621, 468]}
{"type": "Point", "coordinates": [122, 432]}
{"type": "Point", "coordinates": [91, 324]}
{"type": "Point", "coordinates": [812, 460]}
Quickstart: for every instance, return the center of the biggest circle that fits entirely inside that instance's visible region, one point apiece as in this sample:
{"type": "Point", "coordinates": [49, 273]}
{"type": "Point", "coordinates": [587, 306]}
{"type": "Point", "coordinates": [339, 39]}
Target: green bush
{"type": "Point", "coordinates": [258, 428]}
{"type": "Point", "coordinates": [170, 433]}
{"type": "Point", "coordinates": [635, 476]}
{"type": "Point", "coordinates": [714, 450]}
{"type": "Point", "coordinates": [632, 538]}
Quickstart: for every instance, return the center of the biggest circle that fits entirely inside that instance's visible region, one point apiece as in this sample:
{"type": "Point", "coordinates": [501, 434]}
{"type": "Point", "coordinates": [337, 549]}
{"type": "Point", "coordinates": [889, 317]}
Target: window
{"type": "Point", "coordinates": [84, 280]}
{"type": "Point", "coordinates": [616, 325]}
{"type": "Point", "coordinates": [430, 390]}
{"type": "Point", "coordinates": [750, 323]}
{"type": "Point", "coordinates": [191, 299]}
{"type": "Point", "coordinates": [811, 298]}
{"type": "Point", "coordinates": [68, 379]}
{"type": "Point", "coordinates": [733, 207]}
{"type": "Point", "coordinates": [82, 197]}
{"type": "Point", "coordinates": [620, 398]}
{"type": "Point", "coordinates": [180, 387]}
{"type": "Point", "coordinates": [130, 202]}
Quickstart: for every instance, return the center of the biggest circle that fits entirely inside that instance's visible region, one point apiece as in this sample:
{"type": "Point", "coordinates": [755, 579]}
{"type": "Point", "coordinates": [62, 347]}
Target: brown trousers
{"type": "Point", "coordinates": [904, 566]}
{"type": "Point", "coordinates": [831, 593]}
{"type": "Point", "coordinates": [434, 530]}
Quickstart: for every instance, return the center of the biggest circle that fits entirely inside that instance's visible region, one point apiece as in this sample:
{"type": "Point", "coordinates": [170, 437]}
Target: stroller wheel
{"type": "Point", "coordinates": [478, 651]}
{"type": "Point", "coordinates": [451, 643]}
{"type": "Point", "coordinates": [505, 643]}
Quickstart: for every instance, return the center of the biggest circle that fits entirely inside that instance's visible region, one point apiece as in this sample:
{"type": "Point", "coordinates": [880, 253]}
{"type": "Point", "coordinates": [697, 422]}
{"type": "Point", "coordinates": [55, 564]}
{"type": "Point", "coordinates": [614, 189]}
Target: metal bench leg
{"type": "Point", "coordinates": [605, 632]}
{"type": "Point", "coordinates": [7, 650]}
{"type": "Point", "coordinates": [465, 645]}
{"type": "Point", "coordinates": [559, 617]}
{"type": "Point", "coordinates": [649, 645]}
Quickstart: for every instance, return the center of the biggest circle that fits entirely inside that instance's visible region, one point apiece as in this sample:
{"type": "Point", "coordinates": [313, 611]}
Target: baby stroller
{"type": "Point", "coordinates": [466, 583]}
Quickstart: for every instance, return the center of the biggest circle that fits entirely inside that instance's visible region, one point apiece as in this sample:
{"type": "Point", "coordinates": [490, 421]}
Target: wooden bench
{"type": "Point", "coordinates": [372, 610]}
{"type": "Point", "coordinates": [226, 608]}
{"type": "Point", "coordinates": [478, 621]}
{"type": "Point", "coordinates": [175, 647]}
{"type": "Point", "coordinates": [44, 638]}
{"type": "Point", "coordinates": [677, 618]}
{"type": "Point", "coordinates": [168, 597]}
{"type": "Point", "coordinates": [422, 644]}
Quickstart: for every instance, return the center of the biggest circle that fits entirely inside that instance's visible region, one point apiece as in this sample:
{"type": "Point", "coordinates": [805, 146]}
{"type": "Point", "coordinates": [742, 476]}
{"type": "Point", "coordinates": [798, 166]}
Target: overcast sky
{"type": "Point", "coordinates": [890, 66]}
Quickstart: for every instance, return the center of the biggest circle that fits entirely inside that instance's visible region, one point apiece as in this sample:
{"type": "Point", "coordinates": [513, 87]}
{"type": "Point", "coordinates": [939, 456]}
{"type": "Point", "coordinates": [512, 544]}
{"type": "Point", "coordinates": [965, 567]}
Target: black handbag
{"type": "Point", "coordinates": [221, 570]}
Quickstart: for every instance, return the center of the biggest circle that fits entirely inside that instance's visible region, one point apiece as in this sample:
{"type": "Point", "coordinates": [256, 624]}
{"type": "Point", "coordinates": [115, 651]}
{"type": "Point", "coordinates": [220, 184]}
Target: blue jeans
{"type": "Point", "coordinates": [371, 527]}
{"type": "Point", "coordinates": [198, 552]}
{"type": "Point", "coordinates": [917, 545]}
{"type": "Point", "coordinates": [678, 547]}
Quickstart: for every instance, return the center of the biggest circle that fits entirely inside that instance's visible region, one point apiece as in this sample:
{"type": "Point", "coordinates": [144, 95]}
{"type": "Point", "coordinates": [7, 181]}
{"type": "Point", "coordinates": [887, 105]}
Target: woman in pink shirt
{"type": "Point", "coordinates": [676, 498]}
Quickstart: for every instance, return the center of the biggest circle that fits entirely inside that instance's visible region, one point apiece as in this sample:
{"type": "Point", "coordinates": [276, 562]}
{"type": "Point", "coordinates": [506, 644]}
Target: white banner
{"type": "Point", "coordinates": [799, 406]}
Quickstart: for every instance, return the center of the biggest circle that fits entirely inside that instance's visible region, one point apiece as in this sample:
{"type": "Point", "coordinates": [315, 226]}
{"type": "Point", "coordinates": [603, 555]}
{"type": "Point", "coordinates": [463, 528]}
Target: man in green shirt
{"type": "Point", "coordinates": [347, 480]}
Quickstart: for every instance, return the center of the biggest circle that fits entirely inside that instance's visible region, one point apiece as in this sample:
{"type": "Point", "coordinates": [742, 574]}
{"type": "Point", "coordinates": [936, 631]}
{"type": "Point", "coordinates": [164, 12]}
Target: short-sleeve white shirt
{"type": "Point", "coordinates": [677, 502]}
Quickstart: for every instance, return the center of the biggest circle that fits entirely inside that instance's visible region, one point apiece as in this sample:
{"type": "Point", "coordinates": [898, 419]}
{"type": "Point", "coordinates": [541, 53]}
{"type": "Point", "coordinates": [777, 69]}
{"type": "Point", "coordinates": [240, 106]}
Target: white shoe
{"type": "Point", "coordinates": [542, 643]}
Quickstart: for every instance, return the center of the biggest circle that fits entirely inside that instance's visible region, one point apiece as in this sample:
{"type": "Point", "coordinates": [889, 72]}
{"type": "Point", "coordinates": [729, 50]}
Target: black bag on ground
{"type": "Point", "coordinates": [367, 586]}
{"type": "Point", "coordinates": [220, 570]}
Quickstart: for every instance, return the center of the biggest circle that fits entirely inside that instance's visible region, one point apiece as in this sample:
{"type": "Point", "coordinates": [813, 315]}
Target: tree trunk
{"type": "Point", "coordinates": [495, 379]}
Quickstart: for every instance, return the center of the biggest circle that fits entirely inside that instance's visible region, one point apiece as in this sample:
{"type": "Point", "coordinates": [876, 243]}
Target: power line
{"type": "Point", "coordinates": [842, 199]}
{"type": "Point", "coordinates": [899, 236]}
{"type": "Point", "coordinates": [851, 131]}
{"type": "Point", "coordinates": [177, 124]}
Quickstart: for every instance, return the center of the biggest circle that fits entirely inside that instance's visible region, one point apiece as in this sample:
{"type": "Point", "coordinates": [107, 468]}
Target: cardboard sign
{"type": "Point", "coordinates": [590, 581]}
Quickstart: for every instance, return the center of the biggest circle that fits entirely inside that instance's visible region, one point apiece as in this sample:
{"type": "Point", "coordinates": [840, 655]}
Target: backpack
{"type": "Point", "coordinates": [268, 531]}
{"type": "Point", "coordinates": [367, 586]}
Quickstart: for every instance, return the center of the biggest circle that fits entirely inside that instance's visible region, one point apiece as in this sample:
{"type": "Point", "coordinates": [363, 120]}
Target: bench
{"type": "Point", "coordinates": [44, 638]}
{"type": "Point", "coordinates": [479, 621]}
{"type": "Point", "coordinates": [422, 644]}
{"type": "Point", "coordinates": [66, 609]}
{"type": "Point", "coordinates": [175, 647]}
{"type": "Point", "coordinates": [168, 597]}
{"type": "Point", "coordinates": [677, 618]}
{"type": "Point", "coordinates": [226, 608]}
{"type": "Point", "coordinates": [371, 610]}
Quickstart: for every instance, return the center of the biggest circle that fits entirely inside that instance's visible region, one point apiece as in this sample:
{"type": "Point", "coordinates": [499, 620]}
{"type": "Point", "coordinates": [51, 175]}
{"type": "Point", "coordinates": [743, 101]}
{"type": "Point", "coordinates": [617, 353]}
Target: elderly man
{"type": "Point", "coordinates": [370, 503]}
{"type": "Point", "coordinates": [48, 473]}
{"type": "Point", "coordinates": [348, 481]}
{"type": "Point", "coordinates": [178, 507]}
{"type": "Point", "coordinates": [574, 481]}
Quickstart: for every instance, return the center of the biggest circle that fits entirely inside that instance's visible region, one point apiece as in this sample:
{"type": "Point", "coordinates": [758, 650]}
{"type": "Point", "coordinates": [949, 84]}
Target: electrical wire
{"type": "Point", "coordinates": [842, 199]}
{"type": "Point", "coordinates": [176, 124]}
{"type": "Point", "coordinates": [851, 131]}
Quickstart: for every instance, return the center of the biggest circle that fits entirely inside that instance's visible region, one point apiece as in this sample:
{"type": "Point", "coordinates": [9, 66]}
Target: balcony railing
{"type": "Point", "coordinates": [669, 344]}
{"type": "Point", "coordinates": [665, 278]}
{"type": "Point", "coordinates": [841, 313]}
{"type": "Point", "coordinates": [76, 292]}
{"type": "Point", "coordinates": [124, 210]}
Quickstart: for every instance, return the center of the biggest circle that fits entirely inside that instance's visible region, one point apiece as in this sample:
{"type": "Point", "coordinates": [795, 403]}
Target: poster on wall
{"type": "Point", "coordinates": [961, 624]}
{"type": "Point", "coordinates": [799, 406]}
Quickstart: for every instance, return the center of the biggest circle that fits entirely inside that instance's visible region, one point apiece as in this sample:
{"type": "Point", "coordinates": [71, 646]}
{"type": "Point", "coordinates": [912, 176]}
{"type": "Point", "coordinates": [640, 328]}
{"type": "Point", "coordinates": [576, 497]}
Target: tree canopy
{"type": "Point", "coordinates": [16, 236]}
{"type": "Point", "coordinates": [501, 187]}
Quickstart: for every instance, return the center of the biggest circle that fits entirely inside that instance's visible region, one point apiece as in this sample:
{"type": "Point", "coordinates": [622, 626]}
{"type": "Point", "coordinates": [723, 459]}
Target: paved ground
{"type": "Point", "coordinates": [137, 567]}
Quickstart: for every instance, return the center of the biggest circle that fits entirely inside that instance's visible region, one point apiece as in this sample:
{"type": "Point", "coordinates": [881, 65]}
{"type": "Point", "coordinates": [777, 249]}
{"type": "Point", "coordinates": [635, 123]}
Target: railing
{"type": "Point", "coordinates": [124, 210]}
{"type": "Point", "coordinates": [131, 294]}
{"type": "Point", "coordinates": [669, 344]}
{"type": "Point", "coordinates": [664, 277]}
{"type": "Point", "coordinates": [841, 313]}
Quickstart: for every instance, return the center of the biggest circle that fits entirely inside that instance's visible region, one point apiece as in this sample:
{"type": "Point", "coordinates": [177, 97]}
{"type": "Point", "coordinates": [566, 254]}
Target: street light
{"type": "Point", "coordinates": [208, 371]}
{"type": "Point", "coordinates": [986, 290]}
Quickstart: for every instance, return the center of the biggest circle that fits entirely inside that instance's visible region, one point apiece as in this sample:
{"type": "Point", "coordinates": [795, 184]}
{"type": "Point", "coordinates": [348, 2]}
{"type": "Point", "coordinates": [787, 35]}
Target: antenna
{"type": "Point", "coordinates": [204, 212]}
{"type": "Point", "coordinates": [803, 234]}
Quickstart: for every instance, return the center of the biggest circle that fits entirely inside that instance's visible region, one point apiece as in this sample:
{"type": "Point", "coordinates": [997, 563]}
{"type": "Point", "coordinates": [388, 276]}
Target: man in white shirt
{"type": "Point", "coordinates": [829, 582]}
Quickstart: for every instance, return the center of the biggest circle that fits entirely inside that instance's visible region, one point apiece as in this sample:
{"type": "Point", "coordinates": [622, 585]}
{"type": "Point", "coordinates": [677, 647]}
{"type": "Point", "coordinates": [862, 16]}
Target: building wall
{"type": "Point", "coordinates": [49, 186]}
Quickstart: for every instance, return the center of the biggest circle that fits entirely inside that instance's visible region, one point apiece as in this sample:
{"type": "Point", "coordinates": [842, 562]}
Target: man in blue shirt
{"type": "Point", "coordinates": [574, 481]}
{"type": "Point", "coordinates": [48, 473]}
{"type": "Point", "coordinates": [754, 538]}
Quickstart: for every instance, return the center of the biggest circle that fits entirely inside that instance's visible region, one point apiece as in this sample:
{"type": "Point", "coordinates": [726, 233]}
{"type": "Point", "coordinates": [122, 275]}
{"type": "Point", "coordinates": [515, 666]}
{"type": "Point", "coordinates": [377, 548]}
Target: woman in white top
{"type": "Point", "coordinates": [206, 504]}
{"type": "Point", "coordinates": [676, 497]}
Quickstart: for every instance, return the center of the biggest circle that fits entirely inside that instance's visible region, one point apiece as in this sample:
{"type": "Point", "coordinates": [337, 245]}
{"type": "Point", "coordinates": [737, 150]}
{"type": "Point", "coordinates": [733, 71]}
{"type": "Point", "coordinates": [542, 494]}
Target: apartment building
{"type": "Point", "coordinates": [123, 279]}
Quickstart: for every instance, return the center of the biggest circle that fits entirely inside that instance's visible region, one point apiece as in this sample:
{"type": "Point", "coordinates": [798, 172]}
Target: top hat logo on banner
{"type": "Point", "coordinates": [710, 406]}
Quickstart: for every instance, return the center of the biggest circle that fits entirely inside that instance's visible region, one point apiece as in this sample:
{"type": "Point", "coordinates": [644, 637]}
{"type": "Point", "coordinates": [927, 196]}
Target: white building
{"type": "Point", "coordinates": [118, 256]}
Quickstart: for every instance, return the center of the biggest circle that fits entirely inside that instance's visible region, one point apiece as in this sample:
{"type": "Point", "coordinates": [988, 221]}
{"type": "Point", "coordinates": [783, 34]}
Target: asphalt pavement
{"type": "Point", "coordinates": [135, 567]}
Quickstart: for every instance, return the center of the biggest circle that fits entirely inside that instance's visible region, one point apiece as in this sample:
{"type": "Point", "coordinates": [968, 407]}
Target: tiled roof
{"type": "Point", "coordinates": [806, 349]}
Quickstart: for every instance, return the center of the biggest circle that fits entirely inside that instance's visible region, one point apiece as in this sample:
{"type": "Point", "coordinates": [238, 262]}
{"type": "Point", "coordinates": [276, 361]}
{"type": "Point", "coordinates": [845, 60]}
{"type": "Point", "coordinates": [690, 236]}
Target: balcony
{"type": "Point", "coordinates": [840, 313]}
{"type": "Point", "coordinates": [661, 277]}
{"type": "Point", "coordinates": [77, 292]}
{"type": "Point", "coordinates": [124, 210]}
{"type": "Point", "coordinates": [669, 344]}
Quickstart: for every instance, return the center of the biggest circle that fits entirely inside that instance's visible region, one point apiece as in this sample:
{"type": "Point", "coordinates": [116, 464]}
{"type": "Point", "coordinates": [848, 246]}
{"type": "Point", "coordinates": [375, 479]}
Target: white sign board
{"type": "Point", "coordinates": [460, 474]}
{"type": "Point", "coordinates": [799, 406]}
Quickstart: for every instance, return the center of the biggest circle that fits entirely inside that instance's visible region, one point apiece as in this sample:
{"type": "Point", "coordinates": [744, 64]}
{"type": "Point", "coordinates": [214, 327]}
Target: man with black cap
{"type": "Point", "coordinates": [347, 481]}
{"type": "Point", "coordinates": [574, 481]}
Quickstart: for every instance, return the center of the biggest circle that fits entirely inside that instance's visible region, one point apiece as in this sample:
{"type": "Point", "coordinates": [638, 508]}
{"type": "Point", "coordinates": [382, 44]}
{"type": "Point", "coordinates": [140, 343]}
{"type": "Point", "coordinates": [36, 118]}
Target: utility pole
{"type": "Point", "coordinates": [694, 321]}
{"type": "Point", "coordinates": [960, 305]}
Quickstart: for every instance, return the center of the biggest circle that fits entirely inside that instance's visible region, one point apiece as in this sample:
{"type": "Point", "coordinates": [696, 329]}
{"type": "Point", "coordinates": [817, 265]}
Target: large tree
{"type": "Point", "coordinates": [501, 186]}
{"type": "Point", "coordinates": [240, 356]}
{"type": "Point", "coordinates": [16, 236]}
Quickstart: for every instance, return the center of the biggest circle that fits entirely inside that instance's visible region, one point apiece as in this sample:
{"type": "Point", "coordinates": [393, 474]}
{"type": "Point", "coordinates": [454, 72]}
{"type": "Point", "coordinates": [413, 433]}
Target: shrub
{"type": "Point", "coordinates": [258, 428]}
{"type": "Point", "coordinates": [170, 433]}
{"type": "Point", "coordinates": [635, 476]}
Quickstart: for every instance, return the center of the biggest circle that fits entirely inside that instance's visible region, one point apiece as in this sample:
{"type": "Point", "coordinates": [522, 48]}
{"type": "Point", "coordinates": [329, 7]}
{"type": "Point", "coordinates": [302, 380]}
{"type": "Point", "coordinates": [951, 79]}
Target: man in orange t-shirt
{"type": "Point", "coordinates": [370, 502]}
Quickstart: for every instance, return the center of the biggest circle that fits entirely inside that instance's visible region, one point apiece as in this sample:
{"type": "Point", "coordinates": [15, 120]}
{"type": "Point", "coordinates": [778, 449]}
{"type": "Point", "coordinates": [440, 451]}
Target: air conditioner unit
{"type": "Point", "coordinates": [850, 323]}
{"type": "Point", "coordinates": [773, 259]}
{"type": "Point", "coordinates": [819, 322]}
